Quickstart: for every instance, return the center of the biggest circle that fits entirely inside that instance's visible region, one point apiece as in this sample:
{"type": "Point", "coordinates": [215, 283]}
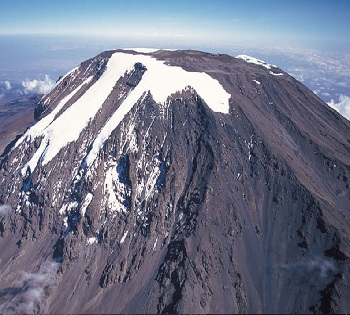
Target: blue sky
{"type": "Point", "coordinates": [310, 39]}
{"type": "Point", "coordinates": [308, 23]}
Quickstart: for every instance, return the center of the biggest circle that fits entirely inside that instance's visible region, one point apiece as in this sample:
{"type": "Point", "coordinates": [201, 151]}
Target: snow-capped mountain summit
{"type": "Point", "coordinates": [177, 181]}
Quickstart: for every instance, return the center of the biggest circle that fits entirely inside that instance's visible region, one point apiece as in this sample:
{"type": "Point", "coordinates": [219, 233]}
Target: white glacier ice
{"type": "Point", "coordinates": [160, 80]}
{"type": "Point", "coordinates": [41, 126]}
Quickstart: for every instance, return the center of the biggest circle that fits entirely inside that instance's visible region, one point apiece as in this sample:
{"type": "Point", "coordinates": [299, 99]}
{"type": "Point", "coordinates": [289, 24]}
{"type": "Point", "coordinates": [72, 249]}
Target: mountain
{"type": "Point", "coordinates": [159, 181]}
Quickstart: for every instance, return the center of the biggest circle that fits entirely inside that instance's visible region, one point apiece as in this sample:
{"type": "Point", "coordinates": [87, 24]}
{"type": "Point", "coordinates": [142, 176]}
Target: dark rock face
{"type": "Point", "coordinates": [184, 210]}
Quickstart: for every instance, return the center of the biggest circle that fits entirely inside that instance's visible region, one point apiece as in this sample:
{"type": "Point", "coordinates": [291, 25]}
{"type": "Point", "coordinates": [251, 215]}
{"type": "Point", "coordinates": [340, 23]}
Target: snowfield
{"type": "Point", "coordinates": [160, 80]}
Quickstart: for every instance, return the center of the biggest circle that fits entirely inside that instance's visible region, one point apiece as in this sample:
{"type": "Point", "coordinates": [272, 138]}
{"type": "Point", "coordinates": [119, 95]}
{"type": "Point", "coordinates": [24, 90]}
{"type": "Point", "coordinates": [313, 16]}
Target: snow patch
{"type": "Point", "coordinates": [117, 193]}
{"type": "Point", "coordinates": [257, 82]}
{"type": "Point", "coordinates": [65, 222]}
{"type": "Point", "coordinates": [276, 74]}
{"type": "Point", "coordinates": [86, 203]}
{"type": "Point", "coordinates": [256, 61]}
{"type": "Point", "coordinates": [91, 240]}
{"type": "Point", "coordinates": [155, 244]}
{"type": "Point", "coordinates": [124, 236]}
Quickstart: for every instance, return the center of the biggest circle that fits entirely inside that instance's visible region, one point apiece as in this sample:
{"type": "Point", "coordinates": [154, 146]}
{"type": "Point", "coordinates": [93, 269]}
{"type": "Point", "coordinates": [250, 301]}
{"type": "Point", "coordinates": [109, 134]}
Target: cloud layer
{"type": "Point", "coordinates": [38, 86]}
{"type": "Point", "coordinates": [343, 106]}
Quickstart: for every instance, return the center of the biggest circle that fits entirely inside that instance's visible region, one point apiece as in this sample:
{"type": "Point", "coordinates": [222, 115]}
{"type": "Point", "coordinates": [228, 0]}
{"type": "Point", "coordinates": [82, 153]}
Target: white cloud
{"type": "Point", "coordinates": [343, 106]}
{"type": "Point", "coordinates": [38, 86]}
{"type": "Point", "coordinates": [316, 271]}
{"type": "Point", "coordinates": [28, 294]}
{"type": "Point", "coordinates": [4, 209]}
{"type": "Point", "coordinates": [8, 85]}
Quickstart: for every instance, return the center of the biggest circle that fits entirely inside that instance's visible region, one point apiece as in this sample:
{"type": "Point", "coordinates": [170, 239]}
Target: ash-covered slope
{"type": "Point", "coordinates": [177, 182]}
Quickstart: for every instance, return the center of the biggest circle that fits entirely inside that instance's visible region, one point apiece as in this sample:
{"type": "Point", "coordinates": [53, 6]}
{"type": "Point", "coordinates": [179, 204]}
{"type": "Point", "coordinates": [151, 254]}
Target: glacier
{"type": "Point", "coordinates": [160, 79]}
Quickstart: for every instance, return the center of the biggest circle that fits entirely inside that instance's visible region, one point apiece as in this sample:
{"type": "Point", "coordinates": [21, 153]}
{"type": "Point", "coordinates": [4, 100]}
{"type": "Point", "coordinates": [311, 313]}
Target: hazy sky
{"type": "Point", "coordinates": [43, 39]}
{"type": "Point", "coordinates": [217, 22]}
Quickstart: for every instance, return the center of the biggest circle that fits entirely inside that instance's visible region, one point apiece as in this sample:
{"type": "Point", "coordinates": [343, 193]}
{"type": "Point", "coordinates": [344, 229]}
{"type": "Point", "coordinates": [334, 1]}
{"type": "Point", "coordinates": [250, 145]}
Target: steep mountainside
{"type": "Point", "coordinates": [177, 182]}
